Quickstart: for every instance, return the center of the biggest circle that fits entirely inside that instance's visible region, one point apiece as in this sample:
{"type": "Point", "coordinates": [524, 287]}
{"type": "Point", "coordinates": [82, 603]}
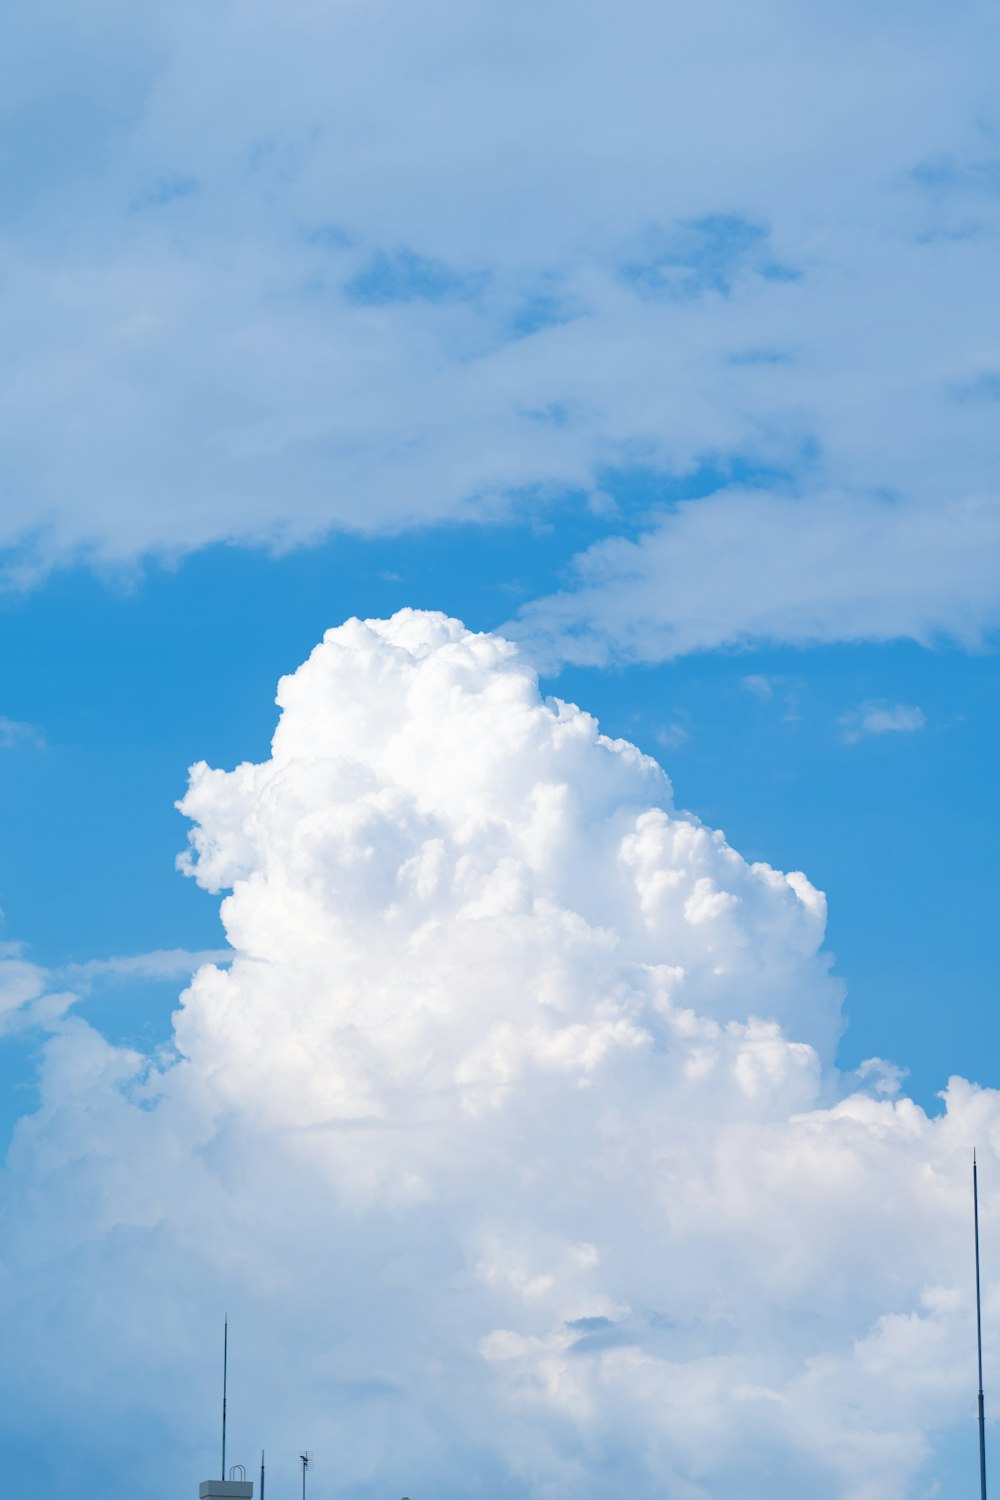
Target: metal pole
{"type": "Point", "coordinates": [225, 1377]}
{"type": "Point", "coordinates": [979, 1335]}
{"type": "Point", "coordinates": [262, 1474]}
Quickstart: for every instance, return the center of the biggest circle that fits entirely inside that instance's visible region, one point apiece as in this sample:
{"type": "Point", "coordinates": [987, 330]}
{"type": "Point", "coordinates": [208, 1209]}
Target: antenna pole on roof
{"type": "Point", "coordinates": [979, 1334]}
{"type": "Point", "coordinates": [225, 1377]}
{"type": "Point", "coordinates": [262, 1474]}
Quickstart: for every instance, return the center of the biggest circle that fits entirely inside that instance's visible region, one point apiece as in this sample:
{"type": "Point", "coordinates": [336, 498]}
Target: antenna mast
{"type": "Point", "coordinates": [979, 1334]}
{"type": "Point", "coordinates": [225, 1377]}
{"type": "Point", "coordinates": [262, 1474]}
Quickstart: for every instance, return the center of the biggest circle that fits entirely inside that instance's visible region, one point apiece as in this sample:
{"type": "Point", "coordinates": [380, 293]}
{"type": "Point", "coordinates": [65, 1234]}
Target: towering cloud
{"type": "Point", "coordinates": [512, 1134]}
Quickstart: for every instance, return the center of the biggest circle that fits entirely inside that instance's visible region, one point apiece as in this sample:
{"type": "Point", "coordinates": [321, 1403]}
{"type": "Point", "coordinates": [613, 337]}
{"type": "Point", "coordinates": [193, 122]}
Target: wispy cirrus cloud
{"type": "Point", "coordinates": [777, 689]}
{"type": "Point", "coordinates": [877, 717]}
{"type": "Point", "coordinates": [751, 566]}
{"type": "Point", "coordinates": [29, 994]}
{"type": "Point", "coordinates": [759, 685]}
{"type": "Point", "coordinates": [15, 733]}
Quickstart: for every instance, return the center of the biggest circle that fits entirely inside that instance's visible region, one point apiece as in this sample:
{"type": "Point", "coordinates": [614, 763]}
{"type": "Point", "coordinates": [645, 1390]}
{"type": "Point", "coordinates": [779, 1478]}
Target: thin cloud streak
{"type": "Point", "coordinates": [160, 963]}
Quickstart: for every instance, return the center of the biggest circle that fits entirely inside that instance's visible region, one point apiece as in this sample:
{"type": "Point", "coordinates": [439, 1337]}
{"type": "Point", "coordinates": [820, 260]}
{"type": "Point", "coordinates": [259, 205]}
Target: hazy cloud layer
{"type": "Point", "coordinates": [511, 1138]}
{"type": "Point", "coordinates": [271, 270]}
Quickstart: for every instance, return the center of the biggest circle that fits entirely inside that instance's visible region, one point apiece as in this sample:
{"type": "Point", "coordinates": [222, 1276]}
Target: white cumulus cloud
{"type": "Point", "coordinates": [511, 1137]}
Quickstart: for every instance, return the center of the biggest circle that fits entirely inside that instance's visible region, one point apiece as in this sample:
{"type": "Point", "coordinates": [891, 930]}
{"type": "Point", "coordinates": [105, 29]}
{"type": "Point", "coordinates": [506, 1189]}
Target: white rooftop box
{"type": "Point", "coordinates": [226, 1489]}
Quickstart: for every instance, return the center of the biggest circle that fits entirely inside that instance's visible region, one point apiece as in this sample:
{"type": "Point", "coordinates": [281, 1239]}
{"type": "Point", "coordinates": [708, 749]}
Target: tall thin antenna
{"type": "Point", "coordinates": [979, 1335]}
{"type": "Point", "coordinates": [225, 1379]}
{"type": "Point", "coordinates": [262, 1474]}
{"type": "Point", "coordinates": [306, 1460]}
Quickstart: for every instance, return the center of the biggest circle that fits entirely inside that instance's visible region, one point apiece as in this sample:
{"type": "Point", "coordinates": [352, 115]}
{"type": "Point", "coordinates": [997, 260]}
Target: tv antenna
{"type": "Point", "coordinates": [262, 1474]}
{"type": "Point", "coordinates": [305, 1459]}
{"type": "Point", "coordinates": [979, 1334]}
{"type": "Point", "coordinates": [225, 1376]}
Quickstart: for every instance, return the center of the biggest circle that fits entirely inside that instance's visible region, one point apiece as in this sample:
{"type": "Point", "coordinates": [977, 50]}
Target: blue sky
{"type": "Point", "coordinates": [661, 341]}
